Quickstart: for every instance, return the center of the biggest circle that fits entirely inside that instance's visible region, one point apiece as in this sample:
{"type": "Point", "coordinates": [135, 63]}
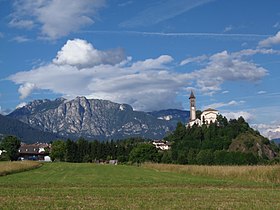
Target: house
{"type": "Point", "coordinates": [2, 151]}
{"type": "Point", "coordinates": [162, 145]}
{"type": "Point", "coordinates": [36, 151]}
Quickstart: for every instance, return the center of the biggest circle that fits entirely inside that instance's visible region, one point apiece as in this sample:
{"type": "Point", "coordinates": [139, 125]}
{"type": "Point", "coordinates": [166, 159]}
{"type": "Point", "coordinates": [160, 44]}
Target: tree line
{"type": "Point", "coordinates": [135, 150]}
{"type": "Point", "coordinates": [203, 145]}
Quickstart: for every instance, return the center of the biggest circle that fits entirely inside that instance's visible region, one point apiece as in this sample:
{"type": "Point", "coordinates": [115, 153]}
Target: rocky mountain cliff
{"type": "Point", "coordinates": [254, 143]}
{"type": "Point", "coordinates": [93, 119]}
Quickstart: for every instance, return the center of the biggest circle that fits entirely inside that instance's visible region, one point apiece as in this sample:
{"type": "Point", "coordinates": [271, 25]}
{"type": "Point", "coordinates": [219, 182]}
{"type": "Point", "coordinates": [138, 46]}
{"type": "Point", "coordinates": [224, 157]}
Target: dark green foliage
{"type": "Point", "coordinates": [205, 157]}
{"type": "Point", "coordinates": [143, 153]}
{"type": "Point", "coordinates": [71, 151]}
{"type": "Point", "coordinates": [91, 151]}
{"type": "Point", "coordinates": [58, 151]}
{"type": "Point", "coordinates": [11, 144]}
{"type": "Point", "coordinates": [166, 157]}
{"type": "Point", "coordinates": [208, 145]}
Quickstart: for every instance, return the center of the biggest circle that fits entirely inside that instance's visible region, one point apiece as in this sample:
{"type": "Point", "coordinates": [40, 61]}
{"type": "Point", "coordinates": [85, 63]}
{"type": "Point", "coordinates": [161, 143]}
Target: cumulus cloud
{"type": "Point", "coordinates": [225, 66]}
{"type": "Point", "coordinates": [270, 41]}
{"type": "Point", "coordinates": [81, 70]}
{"type": "Point", "coordinates": [235, 115]}
{"type": "Point", "coordinates": [271, 131]}
{"type": "Point", "coordinates": [82, 54]}
{"type": "Point", "coordinates": [47, 15]}
{"type": "Point", "coordinates": [158, 63]}
{"type": "Point", "coordinates": [25, 89]}
{"type": "Point", "coordinates": [197, 59]}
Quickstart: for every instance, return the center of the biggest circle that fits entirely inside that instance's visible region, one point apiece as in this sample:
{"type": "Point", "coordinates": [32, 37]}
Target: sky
{"type": "Point", "coordinates": [149, 54]}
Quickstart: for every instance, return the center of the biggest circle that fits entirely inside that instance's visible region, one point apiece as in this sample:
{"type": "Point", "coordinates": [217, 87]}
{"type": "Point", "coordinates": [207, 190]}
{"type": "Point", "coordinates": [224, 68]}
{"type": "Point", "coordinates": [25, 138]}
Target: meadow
{"type": "Point", "coordinates": [151, 186]}
{"type": "Point", "coordinates": [17, 166]}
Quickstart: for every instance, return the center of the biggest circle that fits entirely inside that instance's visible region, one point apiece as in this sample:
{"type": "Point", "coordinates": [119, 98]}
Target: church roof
{"type": "Point", "coordinates": [210, 110]}
{"type": "Point", "coordinates": [192, 95]}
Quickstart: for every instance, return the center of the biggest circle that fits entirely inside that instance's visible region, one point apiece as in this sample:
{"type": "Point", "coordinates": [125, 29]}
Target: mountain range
{"type": "Point", "coordinates": [10, 126]}
{"type": "Point", "coordinates": [96, 119]}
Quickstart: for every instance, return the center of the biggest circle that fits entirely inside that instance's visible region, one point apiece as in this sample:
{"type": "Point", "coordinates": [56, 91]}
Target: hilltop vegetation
{"type": "Point", "coordinates": [225, 142]}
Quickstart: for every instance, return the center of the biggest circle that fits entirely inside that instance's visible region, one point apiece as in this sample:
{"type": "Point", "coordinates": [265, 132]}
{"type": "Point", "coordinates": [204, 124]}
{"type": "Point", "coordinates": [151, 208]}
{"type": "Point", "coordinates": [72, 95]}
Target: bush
{"type": "Point", "coordinates": [205, 157]}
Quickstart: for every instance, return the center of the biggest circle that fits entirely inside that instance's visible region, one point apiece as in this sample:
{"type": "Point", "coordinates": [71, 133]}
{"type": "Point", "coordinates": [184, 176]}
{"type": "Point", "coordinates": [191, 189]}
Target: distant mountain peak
{"type": "Point", "coordinates": [97, 119]}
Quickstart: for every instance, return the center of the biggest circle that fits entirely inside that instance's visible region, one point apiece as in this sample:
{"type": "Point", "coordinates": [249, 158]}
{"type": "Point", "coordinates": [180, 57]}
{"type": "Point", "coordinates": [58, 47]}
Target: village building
{"type": "Point", "coordinates": [38, 151]}
{"type": "Point", "coordinates": [207, 117]}
{"type": "Point", "coordinates": [162, 145]}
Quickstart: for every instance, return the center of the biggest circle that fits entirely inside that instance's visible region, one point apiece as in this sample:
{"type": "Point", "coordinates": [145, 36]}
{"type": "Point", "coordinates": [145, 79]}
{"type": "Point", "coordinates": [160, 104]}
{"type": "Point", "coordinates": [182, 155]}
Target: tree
{"type": "Point", "coordinates": [58, 150]}
{"type": "Point", "coordinates": [205, 157]}
{"type": "Point", "coordinates": [71, 151]}
{"type": "Point", "coordinates": [144, 152]}
{"type": "Point", "coordinates": [11, 144]}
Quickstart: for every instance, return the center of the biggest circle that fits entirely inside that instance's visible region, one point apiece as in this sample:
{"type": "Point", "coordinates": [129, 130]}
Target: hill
{"type": "Point", "coordinates": [254, 143]}
{"type": "Point", "coordinates": [225, 142]}
{"type": "Point", "coordinates": [96, 119]}
{"type": "Point", "coordinates": [10, 126]}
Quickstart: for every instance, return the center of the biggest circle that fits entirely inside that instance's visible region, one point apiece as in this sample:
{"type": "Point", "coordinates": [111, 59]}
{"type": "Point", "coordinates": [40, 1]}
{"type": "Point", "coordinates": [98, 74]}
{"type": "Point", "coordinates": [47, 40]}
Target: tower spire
{"type": "Point", "coordinates": [192, 95]}
{"type": "Point", "coordinates": [192, 107]}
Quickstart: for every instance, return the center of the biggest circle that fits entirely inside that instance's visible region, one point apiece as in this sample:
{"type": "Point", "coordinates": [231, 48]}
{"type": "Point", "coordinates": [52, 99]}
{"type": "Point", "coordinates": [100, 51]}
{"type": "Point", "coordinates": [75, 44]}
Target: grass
{"type": "Point", "coordinates": [260, 174]}
{"type": "Point", "coordinates": [9, 167]}
{"type": "Point", "coordinates": [90, 186]}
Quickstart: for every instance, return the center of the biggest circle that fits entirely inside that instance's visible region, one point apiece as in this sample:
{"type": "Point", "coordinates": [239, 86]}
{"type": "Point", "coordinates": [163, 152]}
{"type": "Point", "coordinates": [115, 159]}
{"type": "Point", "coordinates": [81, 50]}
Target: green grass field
{"type": "Point", "coordinates": [90, 186]}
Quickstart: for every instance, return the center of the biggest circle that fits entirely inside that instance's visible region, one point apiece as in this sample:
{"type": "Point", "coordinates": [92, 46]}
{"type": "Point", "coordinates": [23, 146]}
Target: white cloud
{"type": "Point", "coordinates": [228, 28]}
{"type": "Point", "coordinates": [24, 24]}
{"type": "Point", "coordinates": [21, 105]}
{"type": "Point", "coordinates": [270, 41]}
{"type": "Point", "coordinates": [271, 131]}
{"type": "Point", "coordinates": [81, 70]}
{"type": "Point", "coordinates": [21, 39]}
{"type": "Point", "coordinates": [48, 15]}
{"type": "Point", "coordinates": [223, 67]}
{"type": "Point", "coordinates": [261, 92]}
{"type": "Point", "coordinates": [1, 35]}
{"type": "Point", "coordinates": [235, 115]}
{"type": "Point", "coordinates": [82, 54]}
{"type": "Point", "coordinates": [158, 63]}
{"type": "Point", "coordinates": [197, 59]}
{"type": "Point", "coordinates": [26, 89]}
{"type": "Point", "coordinates": [161, 11]}
{"type": "Point", "coordinates": [4, 111]}
{"type": "Point", "coordinates": [222, 104]}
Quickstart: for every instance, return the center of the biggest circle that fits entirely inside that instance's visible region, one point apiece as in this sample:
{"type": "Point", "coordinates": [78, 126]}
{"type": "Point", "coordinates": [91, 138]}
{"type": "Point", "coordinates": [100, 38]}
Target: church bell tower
{"type": "Point", "coordinates": [192, 107]}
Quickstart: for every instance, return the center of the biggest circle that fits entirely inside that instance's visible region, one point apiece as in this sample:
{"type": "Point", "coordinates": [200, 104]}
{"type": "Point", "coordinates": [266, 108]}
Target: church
{"type": "Point", "coordinates": [207, 116]}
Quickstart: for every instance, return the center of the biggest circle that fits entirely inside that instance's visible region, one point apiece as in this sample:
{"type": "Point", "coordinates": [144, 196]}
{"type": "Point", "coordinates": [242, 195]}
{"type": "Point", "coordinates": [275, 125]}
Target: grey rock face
{"type": "Point", "coordinates": [91, 118]}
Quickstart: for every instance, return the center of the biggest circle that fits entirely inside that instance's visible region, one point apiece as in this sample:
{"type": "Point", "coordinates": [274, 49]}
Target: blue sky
{"type": "Point", "coordinates": [147, 53]}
